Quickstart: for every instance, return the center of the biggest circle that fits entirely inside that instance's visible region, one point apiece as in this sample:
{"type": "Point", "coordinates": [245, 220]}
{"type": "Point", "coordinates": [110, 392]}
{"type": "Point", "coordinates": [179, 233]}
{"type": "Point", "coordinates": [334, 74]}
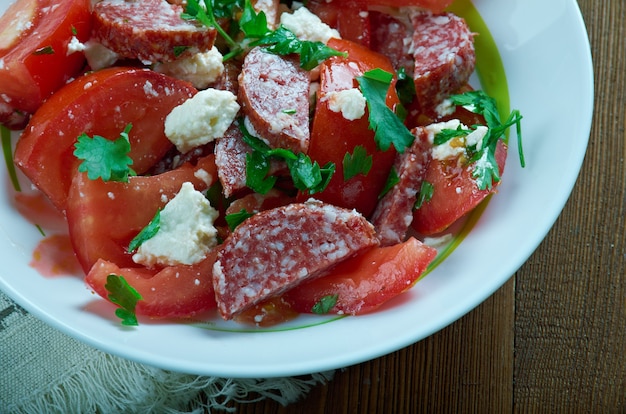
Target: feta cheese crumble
{"type": "Point", "coordinates": [350, 102]}
{"type": "Point", "coordinates": [307, 26]}
{"type": "Point", "coordinates": [201, 69]}
{"type": "Point", "coordinates": [457, 146]}
{"type": "Point", "coordinates": [186, 231]}
{"type": "Point", "coordinates": [201, 119]}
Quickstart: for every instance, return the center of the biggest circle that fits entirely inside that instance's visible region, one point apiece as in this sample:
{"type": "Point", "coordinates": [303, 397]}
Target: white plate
{"type": "Point", "coordinates": [546, 54]}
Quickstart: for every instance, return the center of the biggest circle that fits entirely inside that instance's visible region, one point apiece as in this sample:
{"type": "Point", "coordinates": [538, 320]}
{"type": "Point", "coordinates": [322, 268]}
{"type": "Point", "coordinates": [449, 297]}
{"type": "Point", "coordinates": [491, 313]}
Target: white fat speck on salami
{"type": "Point", "coordinates": [278, 249]}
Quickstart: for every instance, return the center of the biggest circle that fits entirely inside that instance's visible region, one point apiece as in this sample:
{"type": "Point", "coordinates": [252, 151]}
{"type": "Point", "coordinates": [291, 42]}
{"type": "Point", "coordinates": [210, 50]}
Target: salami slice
{"type": "Point", "coordinates": [274, 92]}
{"type": "Point", "coordinates": [279, 248]}
{"type": "Point", "coordinates": [392, 38]}
{"type": "Point", "coordinates": [148, 30]}
{"type": "Point", "coordinates": [394, 212]}
{"type": "Point", "coordinates": [443, 48]}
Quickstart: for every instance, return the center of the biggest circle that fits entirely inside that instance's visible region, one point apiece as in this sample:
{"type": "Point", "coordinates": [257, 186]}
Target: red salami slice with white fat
{"type": "Point", "coordinates": [277, 249]}
{"type": "Point", "coordinates": [444, 54]}
{"type": "Point", "coordinates": [274, 93]}
{"type": "Point", "coordinates": [148, 30]}
{"type": "Point", "coordinates": [394, 212]}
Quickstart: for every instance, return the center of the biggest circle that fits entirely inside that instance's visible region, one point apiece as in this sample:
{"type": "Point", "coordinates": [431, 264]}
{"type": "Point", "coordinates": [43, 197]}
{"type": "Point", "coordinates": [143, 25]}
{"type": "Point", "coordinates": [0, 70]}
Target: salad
{"type": "Point", "coordinates": [258, 159]}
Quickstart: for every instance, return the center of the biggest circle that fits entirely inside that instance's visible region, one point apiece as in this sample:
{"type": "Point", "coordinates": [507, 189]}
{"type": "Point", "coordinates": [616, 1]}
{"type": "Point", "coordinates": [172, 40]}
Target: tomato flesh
{"type": "Point", "coordinates": [34, 38]}
{"type": "Point", "coordinates": [349, 17]}
{"type": "Point", "coordinates": [104, 217]}
{"type": "Point", "coordinates": [116, 97]}
{"type": "Point", "coordinates": [175, 291]}
{"type": "Point", "coordinates": [366, 281]}
{"type": "Point", "coordinates": [332, 135]}
{"type": "Point", "coordinates": [455, 193]}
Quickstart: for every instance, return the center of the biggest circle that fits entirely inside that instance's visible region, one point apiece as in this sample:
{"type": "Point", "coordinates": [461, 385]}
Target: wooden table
{"type": "Point", "coordinates": [552, 339]}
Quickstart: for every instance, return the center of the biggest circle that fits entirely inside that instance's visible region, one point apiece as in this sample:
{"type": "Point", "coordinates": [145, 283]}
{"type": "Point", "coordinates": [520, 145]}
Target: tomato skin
{"type": "Point", "coordinates": [349, 17]}
{"type": "Point", "coordinates": [117, 97]}
{"type": "Point", "coordinates": [332, 136]}
{"type": "Point", "coordinates": [436, 6]}
{"type": "Point", "coordinates": [174, 291]}
{"type": "Point", "coordinates": [366, 281]}
{"type": "Point", "coordinates": [455, 193]}
{"type": "Point", "coordinates": [28, 77]}
{"type": "Point", "coordinates": [103, 217]}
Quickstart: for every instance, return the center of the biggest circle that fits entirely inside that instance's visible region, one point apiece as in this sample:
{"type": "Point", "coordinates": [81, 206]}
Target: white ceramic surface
{"type": "Point", "coordinates": [545, 51]}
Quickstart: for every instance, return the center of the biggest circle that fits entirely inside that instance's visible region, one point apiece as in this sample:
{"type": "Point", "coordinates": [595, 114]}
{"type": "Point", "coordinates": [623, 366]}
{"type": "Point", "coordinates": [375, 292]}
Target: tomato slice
{"type": "Point", "coordinates": [175, 291]}
{"type": "Point", "coordinates": [366, 281]}
{"type": "Point", "coordinates": [455, 193]}
{"type": "Point", "coordinates": [103, 217]}
{"type": "Point", "coordinates": [436, 6]}
{"type": "Point", "coordinates": [349, 17]}
{"type": "Point", "coordinates": [34, 39]}
{"type": "Point", "coordinates": [115, 98]}
{"type": "Point", "coordinates": [333, 136]}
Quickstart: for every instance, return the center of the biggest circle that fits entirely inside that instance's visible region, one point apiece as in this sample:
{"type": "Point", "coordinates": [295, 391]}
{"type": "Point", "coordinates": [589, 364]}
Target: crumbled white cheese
{"type": "Point", "coordinates": [350, 102]}
{"type": "Point", "coordinates": [99, 56]}
{"type": "Point", "coordinates": [476, 137]}
{"type": "Point", "coordinates": [307, 26]}
{"type": "Point", "coordinates": [446, 107]}
{"type": "Point", "coordinates": [201, 69]}
{"type": "Point", "coordinates": [75, 46]}
{"type": "Point", "coordinates": [186, 231]}
{"type": "Point", "coordinates": [201, 119]}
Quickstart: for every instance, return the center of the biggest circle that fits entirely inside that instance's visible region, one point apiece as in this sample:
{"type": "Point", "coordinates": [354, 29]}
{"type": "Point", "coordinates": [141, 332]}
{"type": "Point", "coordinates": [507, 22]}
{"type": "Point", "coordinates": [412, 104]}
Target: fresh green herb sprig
{"type": "Point", "coordinates": [306, 174]}
{"type": "Point", "coordinates": [325, 304]}
{"type": "Point", "coordinates": [146, 233]}
{"type": "Point", "coordinates": [387, 125]}
{"type": "Point", "coordinates": [125, 296]}
{"type": "Point", "coordinates": [235, 219]}
{"type": "Point", "coordinates": [359, 162]}
{"type": "Point", "coordinates": [486, 170]}
{"type": "Point", "coordinates": [256, 32]}
{"type": "Point", "coordinates": [104, 158]}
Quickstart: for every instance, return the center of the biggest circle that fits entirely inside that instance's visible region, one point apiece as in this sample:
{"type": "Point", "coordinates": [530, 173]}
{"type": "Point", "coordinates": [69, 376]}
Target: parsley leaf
{"type": "Point", "coordinates": [306, 174]}
{"type": "Point", "coordinates": [359, 162]}
{"type": "Point", "coordinates": [405, 87]}
{"type": "Point", "coordinates": [425, 194]}
{"type": "Point", "coordinates": [388, 127]}
{"type": "Point", "coordinates": [146, 233]}
{"type": "Point", "coordinates": [235, 219]}
{"type": "Point", "coordinates": [104, 158]}
{"type": "Point", "coordinates": [446, 135]}
{"type": "Point", "coordinates": [486, 170]}
{"type": "Point", "coordinates": [325, 304]}
{"type": "Point", "coordinates": [125, 296]}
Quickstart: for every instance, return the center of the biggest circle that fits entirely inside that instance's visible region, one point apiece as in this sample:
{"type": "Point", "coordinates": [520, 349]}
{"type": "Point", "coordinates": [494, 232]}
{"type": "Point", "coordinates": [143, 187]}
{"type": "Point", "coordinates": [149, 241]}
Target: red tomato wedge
{"type": "Point", "coordinates": [103, 217]}
{"type": "Point", "coordinates": [349, 17]}
{"type": "Point", "coordinates": [455, 193]}
{"type": "Point", "coordinates": [34, 39]}
{"type": "Point", "coordinates": [333, 136]}
{"type": "Point", "coordinates": [436, 6]}
{"type": "Point", "coordinates": [175, 291]}
{"type": "Point", "coordinates": [366, 281]}
{"type": "Point", "coordinates": [100, 103]}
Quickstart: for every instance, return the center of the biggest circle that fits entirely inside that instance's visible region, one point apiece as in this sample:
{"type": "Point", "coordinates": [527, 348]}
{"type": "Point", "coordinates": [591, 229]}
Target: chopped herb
{"type": "Point", "coordinates": [74, 31]}
{"type": "Point", "coordinates": [7, 150]}
{"type": "Point", "coordinates": [486, 170]}
{"type": "Point", "coordinates": [125, 296]}
{"type": "Point", "coordinates": [289, 111]}
{"type": "Point", "coordinates": [47, 50]}
{"type": "Point", "coordinates": [146, 233]}
{"type": "Point", "coordinates": [325, 304]}
{"type": "Point", "coordinates": [388, 127]}
{"type": "Point", "coordinates": [446, 135]}
{"type": "Point", "coordinates": [425, 194]}
{"type": "Point", "coordinates": [306, 174]}
{"type": "Point", "coordinates": [359, 162]}
{"type": "Point", "coordinates": [405, 87]}
{"type": "Point", "coordinates": [41, 231]}
{"type": "Point", "coordinates": [104, 158]}
{"type": "Point", "coordinates": [179, 50]}
{"type": "Point", "coordinates": [392, 180]}
{"type": "Point", "coordinates": [235, 219]}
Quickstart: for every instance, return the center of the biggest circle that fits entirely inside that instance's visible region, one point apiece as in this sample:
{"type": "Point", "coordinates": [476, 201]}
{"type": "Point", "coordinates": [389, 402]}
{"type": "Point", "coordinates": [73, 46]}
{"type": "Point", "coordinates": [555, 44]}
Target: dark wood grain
{"type": "Point", "coordinates": [552, 339]}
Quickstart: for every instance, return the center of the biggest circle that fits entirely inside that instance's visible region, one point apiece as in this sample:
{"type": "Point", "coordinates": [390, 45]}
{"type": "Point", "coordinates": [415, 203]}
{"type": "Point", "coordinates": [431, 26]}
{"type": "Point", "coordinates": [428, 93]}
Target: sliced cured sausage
{"type": "Point", "coordinates": [394, 212]}
{"type": "Point", "coordinates": [274, 93]}
{"type": "Point", "coordinates": [277, 249]}
{"type": "Point", "coordinates": [148, 30]}
{"type": "Point", "coordinates": [443, 48]}
{"type": "Point", "coordinates": [391, 37]}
